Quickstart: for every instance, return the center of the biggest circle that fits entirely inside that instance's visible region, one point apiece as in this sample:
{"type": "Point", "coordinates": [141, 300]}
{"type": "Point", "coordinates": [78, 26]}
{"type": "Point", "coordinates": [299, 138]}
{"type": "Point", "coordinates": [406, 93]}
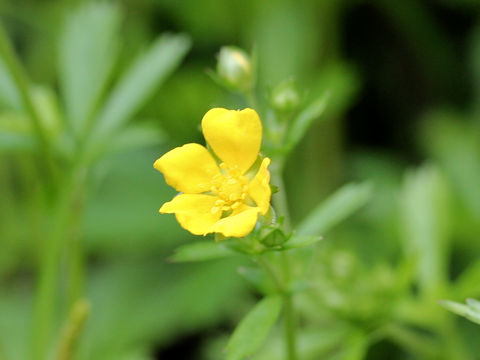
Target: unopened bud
{"type": "Point", "coordinates": [273, 236]}
{"type": "Point", "coordinates": [234, 68]}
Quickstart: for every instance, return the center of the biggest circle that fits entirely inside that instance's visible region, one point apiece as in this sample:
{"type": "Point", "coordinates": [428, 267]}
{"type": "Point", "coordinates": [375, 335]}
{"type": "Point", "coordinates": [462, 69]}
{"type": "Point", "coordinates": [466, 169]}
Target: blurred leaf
{"type": "Point", "coordinates": [9, 95]}
{"type": "Point", "coordinates": [200, 251]}
{"type": "Point", "coordinates": [448, 136]}
{"type": "Point", "coordinates": [419, 343]}
{"type": "Point", "coordinates": [137, 136]}
{"type": "Point", "coordinates": [343, 203]}
{"type": "Point", "coordinates": [304, 120]}
{"type": "Point", "coordinates": [11, 141]}
{"type": "Point", "coordinates": [258, 278]}
{"type": "Point", "coordinates": [425, 227]}
{"type": "Point", "coordinates": [15, 133]}
{"type": "Point", "coordinates": [467, 282]}
{"type": "Point", "coordinates": [140, 81]}
{"type": "Point", "coordinates": [297, 241]}
{"type": "Point", "coordinates": [146, 303]}
{"type": "Point", "coordinates": [46, 104]}
{"type": "Point", "coordinates": [88, 48]}
{"type": "Point", "coordinates": [128, 193]}
{"type": "Point", "coordinates": [355, 348]}
{"type": "Point", "coordinates": [252, 331]}
{"type": "Point", "coordinates": [313, 343]}
{"type": "Point", "coordinates": [471, 311]}
{"type": "Point", "coordinates": [15, 313]}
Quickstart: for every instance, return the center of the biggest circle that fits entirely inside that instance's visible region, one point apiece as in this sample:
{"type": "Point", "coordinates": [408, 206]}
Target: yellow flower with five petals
{"type": "Point", "coordinates": [219, 198]}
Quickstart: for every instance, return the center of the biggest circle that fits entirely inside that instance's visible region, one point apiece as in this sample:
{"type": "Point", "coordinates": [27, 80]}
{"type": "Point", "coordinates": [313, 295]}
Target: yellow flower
{"type": "Point", "coordinates": [219, 198]}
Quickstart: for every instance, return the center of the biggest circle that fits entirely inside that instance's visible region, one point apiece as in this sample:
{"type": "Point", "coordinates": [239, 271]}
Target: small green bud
{"type": "Point", "coordinates": [272, 236]}
{"type": "Point", "coordinates": [285, 97]}
{"type": "Point", "coordinates": [234, 68]}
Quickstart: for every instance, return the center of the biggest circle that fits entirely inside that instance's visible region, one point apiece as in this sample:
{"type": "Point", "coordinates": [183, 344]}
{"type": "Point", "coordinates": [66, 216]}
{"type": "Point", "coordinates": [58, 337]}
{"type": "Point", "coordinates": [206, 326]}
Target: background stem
{"type": "Point", "coordinates": [281, 205]}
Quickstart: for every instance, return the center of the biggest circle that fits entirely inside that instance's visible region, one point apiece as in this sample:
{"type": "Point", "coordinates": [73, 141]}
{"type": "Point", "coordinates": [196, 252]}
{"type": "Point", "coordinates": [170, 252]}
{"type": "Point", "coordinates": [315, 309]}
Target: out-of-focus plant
{"type": "Point", "coordinates": [63, 136]}
{"type": "Point", "coordinates": [470, 310]}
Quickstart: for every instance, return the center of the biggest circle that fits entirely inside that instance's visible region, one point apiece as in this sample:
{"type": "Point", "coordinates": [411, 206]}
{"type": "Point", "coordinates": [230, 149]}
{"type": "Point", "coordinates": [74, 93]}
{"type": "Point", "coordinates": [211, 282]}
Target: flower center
{"type": "Point", "coordinates": [231, 187]}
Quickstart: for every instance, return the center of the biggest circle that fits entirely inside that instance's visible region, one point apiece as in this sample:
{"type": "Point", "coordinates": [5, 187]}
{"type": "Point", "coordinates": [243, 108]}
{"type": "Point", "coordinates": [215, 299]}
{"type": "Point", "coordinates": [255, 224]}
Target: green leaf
{"type": "Point", "coordinates": [471, 311]}
{"type": "Point", "coordinates": [88, 48]}
{"type": "Point", "coordinates": [467, 282]}
{"type": "Point", "coordinates": [136, 136]}
{"type": "Point", "coordinates": [253, 329]}
{"type": "Point", "coordinates": [200, 251]}
{"type": "Point", "coordinates": [9, 95]}
{"type": "Point", "coordinates": [11, 141]}
{"type": "Point", "coordinates": [474, 304]}
{"type": "Point", "coordinates": [425, 227]}
{"type": "Point", "coordinates": [343, 203]}
{"type": "Point", "coordinates": [304, 120]}
{"type": "Point", "coordinates": [297, 241]}
{"type": "Point", "coordinates": [258, 278]}
{"type": "Point", "coordinates": [140, 81]}
{"type": "Point", "coordinates": [15, 133]}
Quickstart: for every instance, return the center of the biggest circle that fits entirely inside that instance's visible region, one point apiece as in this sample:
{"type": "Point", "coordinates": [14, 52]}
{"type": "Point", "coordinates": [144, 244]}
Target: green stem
{"type": "Point", "coordinates": [46, 290]}
{"type": "Point", "coordinates": [281, 205]}
{"type": "Point", "coordinates": [290, 327]}
{"type": "Point", "coordinates": [47, 285]}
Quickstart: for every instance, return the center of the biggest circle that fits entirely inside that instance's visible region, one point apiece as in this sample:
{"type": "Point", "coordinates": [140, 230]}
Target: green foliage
{"type": "Point", "coordinates": [88, 49]}
{"type": "Point", "coordinates": [253, 329]}
{"type": "Point", "coordinates": [92, 94]}
{"type": "Point", "coordinates": [200, 251]}
{"type": "Point", "coordinates": [336, 208]}
{"type": "Point", "coordinates": [471, 310]}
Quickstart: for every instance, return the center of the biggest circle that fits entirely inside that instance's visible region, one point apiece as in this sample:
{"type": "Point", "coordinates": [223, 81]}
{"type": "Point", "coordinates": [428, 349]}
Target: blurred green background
{"type": "Point", "coordinates": [404, 82]}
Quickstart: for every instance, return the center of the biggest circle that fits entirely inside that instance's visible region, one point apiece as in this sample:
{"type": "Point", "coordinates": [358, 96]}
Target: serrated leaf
{"type": "Point", "coordinates": [343, 203]}
{"type": "Point", "coordinates": [200, 251]}
{"type": "Point", "coordinates": [88, 49]}
{"type": "Point", "coordinates": [304, 120]}
{"type": "Point", "coordinates": [253, 329]}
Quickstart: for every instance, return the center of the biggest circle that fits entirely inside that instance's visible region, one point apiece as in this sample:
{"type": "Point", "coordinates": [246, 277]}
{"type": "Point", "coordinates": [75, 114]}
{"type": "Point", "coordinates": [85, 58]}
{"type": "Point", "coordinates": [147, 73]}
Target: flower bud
{"type": "Point", "coordinates": [234, 68]}
{"type": "Point", "coordinates": [273, 236]}
{"type": "Point", "coordinates": [285, 97]}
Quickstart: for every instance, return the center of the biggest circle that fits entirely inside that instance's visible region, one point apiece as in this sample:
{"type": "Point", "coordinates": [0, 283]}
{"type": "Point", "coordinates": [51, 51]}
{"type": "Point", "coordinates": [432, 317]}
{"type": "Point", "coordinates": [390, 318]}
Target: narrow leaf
{"type": "Point", "coordinates": [471, 311]}
{"type": "Point", "coordinates": [425, 227]}
{"type": "Point", "coordinates": [136, 136]}
{"type": "Point", "coordinates": [200, 251]}
{"type": "Point", "coordinates": [304, 120]}
{"type": "Point", "coordinates": [141, 80]}
{"type": "Point", "coordinates": [88, 49]}
{"type": "Point", "coordinates": [9, 95]}
{"type": "Point", "coordinates": [253, 329]}
{"type": "Point", "coordinates": [343, 203]}
{"type": "Point", "coordinates": [297, 241]}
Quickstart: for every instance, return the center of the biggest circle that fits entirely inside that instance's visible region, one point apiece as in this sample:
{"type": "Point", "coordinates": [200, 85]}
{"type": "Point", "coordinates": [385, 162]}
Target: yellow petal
{"type": "Point", "coordinates": [259, 187]}
{"type": "Point", "coordinates": [193, 212]}
{"type": "Point", "coordinates": [235, 136]}
{"type": "Point", "coordinates": [188, 169]}
{"type": "Point", "coordinates": [239, 224]}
